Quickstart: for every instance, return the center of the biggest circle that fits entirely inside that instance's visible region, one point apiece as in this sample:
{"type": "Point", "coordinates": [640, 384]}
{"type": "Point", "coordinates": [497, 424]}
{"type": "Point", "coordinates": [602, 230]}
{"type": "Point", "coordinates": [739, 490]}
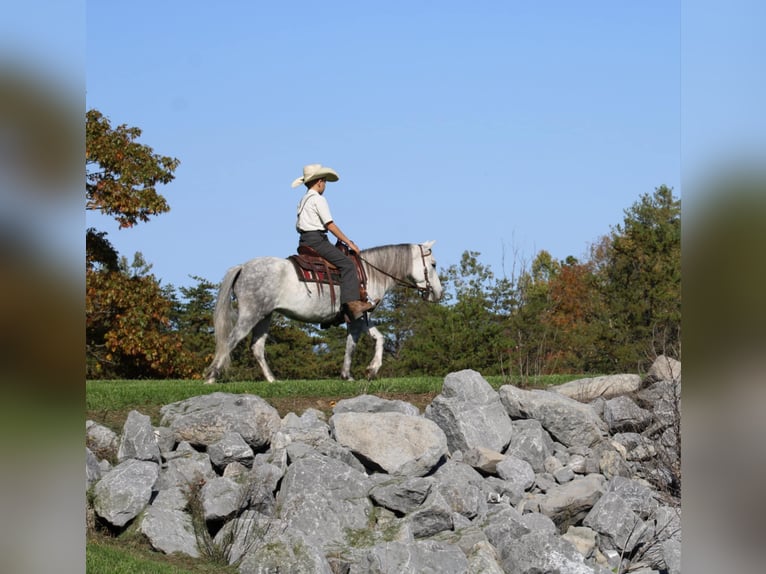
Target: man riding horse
{"type": "Point", "coordinates": [314, 221]}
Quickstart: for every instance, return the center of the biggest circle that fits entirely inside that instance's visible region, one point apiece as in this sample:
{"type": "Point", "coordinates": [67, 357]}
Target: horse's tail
{"type": "Point", "coordinates": [224, 319]}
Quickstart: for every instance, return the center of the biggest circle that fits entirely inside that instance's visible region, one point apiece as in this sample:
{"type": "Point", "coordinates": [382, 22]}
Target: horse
{"type": "Point", "coordinates": [267, 285]}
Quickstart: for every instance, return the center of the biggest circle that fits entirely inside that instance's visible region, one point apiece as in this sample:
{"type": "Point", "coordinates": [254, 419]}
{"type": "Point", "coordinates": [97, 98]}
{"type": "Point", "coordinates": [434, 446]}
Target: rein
{"type": "Point", "coordinates": [424, 291]}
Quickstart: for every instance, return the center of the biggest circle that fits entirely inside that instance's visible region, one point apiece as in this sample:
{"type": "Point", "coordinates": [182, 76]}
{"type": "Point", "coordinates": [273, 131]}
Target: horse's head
{"type": "Point", "coordinates": [424, 272]}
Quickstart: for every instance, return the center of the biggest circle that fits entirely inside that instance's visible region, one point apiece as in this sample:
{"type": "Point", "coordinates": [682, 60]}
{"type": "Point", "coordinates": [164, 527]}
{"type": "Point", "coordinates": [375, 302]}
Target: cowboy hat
{"type": "Point", "coordinates": [315, 171]}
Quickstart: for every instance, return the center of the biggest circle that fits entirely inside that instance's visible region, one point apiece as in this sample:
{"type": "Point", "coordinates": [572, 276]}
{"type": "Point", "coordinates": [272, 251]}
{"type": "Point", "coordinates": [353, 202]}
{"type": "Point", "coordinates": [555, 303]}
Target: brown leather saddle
{"type": "Point", "coordinates": [313, 268]}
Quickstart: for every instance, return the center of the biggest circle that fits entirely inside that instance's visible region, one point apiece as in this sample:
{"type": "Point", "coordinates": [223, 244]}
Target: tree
{"type": "Point", "coordinates": [128, 313]}
{"type": "Point", "coordinates": [122, 175]}
{"type": "Point", "coordinates": [643, 281]}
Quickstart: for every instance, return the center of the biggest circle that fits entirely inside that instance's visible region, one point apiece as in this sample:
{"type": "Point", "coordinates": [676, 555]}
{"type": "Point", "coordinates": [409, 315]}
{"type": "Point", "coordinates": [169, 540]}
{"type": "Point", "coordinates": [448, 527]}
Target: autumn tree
{"type": "Point", "coordinates": [128, 312]}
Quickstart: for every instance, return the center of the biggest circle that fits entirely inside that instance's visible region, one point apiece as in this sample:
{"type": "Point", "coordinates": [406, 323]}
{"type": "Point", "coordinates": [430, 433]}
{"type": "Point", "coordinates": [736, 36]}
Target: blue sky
{"type": "Point", "coordinates": [498, 127]}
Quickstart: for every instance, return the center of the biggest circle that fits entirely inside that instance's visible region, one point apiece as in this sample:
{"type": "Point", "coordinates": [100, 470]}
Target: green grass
{"type": "Point", "coordinates": [109, 556]}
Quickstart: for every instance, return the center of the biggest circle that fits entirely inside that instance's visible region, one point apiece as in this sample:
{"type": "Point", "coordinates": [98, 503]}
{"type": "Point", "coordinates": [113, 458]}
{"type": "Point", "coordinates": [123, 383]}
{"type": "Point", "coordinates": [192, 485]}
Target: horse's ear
{"type": "Point", "coordinates": [429, 244]}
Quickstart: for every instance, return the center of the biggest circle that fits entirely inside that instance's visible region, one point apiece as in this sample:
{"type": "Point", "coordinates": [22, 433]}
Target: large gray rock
{"type": "Point", "coordinates": [221, 498]}
{"type": "Point", "coordinates": [402, 494]}
{"type": "Point", "coordinates": [420, 557]}
{"type": "Point", "coordinates": [246, 533]}
{"type": "Point", "coordinates": [470, 413]}
{"type": "Point", "coordinates": [324, 499]}
{"type": "Point", "coordinates": [613, 518]}
{"type": "Point", "coordinates": [638, 495]}
{"type": "Point", "coordinates": [463, 488]}
{"type": "Point", "coordinates": [185, 466]}
{"type": "Point", "coordinates": [538, 552]}
{"type": "Point", "coordinates": [607, 386]}
{"type": "Point", "coordinates": [307, 428]}
{"type": "Point", "coordinates": [205, 419]}
{"type": "Point", "coordinates": [230, 448]}
{"type": "Point", "coordinates": [102, 440]}
{"type": "Point", "coordinates": [166, 525]}
{"type": "Point", "coordinates": [530, 442]}
{"type": "Point", "coordinates": [432, 517]}
{"type": "Point", "coordinates": [569, 503]}
{"type": "Point", "coordinates": [516, 471]}
{"type": "Point", "coordinates": [286, 552]}
{"type": "Point", "coordinates": [125, 491]}
{"type": "Point", "coordinates": [622, 414]}
{"type": "Point", "coordinates": [397, 443]}
{"type": "Point", "coordinates": [327, 447]}
{"type": "Point", "coordinates": [138, 439]}
{"type": "Point", "coordinates": [567, 420]}
{"type": "Point", "coordinates": [503, 525]}
{"type": "Point", "coordinates": [92, 469]}
{"type": "Point", "coordinates": [373, 404]}
{"type": "Point", "coordinates": [261, 487]}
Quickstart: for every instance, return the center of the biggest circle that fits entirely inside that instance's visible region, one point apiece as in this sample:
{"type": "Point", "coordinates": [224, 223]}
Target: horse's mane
{"type": "Point", "coordinates": [396, 260]}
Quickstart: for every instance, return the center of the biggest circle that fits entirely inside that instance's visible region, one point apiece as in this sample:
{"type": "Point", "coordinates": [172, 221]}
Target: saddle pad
{"type": "Point", "coordinates": [315, 269]}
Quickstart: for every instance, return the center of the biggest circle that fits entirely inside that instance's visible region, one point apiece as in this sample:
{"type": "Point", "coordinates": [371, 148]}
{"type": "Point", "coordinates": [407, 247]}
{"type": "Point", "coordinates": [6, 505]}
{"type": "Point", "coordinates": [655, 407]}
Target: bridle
{"type": "Point", "coordinates": [403, 282]}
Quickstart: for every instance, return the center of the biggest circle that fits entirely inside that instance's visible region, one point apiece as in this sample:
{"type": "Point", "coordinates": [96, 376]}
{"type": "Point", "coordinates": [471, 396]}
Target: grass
{"type": "Point", "coordinates": [104, 555]}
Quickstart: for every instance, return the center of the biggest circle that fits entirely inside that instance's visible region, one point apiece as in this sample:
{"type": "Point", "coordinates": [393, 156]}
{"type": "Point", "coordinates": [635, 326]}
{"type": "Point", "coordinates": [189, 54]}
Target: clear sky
{"type": "Point", "coordinates": [498, 127]}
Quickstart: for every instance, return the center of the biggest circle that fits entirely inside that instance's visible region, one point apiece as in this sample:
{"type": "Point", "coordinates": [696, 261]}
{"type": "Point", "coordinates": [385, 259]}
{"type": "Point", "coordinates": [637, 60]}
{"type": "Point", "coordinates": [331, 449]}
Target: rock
{"type": "Point", "coordinates": [186, 467]}
{"type": "Point", "coordinates": [221, 498]}
{"type": "Point", "coordinates": [567, 420]}
{"type": "Point", "coordinates": [613, 518]}
{"type": "Point", "coordinates": [397, 443]}
{"type": "Point", "coordinates": [324, 499]}
{"type": "Point", "coordinates": [92, 469]}
{"type": "Point", "coordinates": [102, 441]}
{"type": "Point", "coordinates": [470, 413]}
{"type": "Point", "coordinates": [125, 491]}
{"type": "Point", "coordinates": [516, 471]}
{"type": "Point", "coordinates": [665, 369]}
{"type": "Point", "coordinates": [373, 404]}
{"type": "Point", "coordinates": [168, 528]}
{"type": "Point", "coordinates": [230, 448]}
{"type": "Point", "coordinates": [608, 386]}
{"type": "Point", "coordinates": [205, 419]}
{"type": "Point", "coordinates": [483, 459]}
{"type": "Point", "coordinates": [569, 503]}
{"type": "Point", "coordinates": [419, 557]}
{"type": "Point", "coordinates": [538, 552]}
{"type": "Point", "coordinates": [530, 442]}
{"type": "Point", "coordinates": [463, 488]}
{"type": "Point", "coordinates": [286, 552]}
{"type": "Point", "coordinates": [308, 428]}
{"type": "Point", "coordinates": [622, 414]}
{"type": "Point", "coordinates": [402, 494]}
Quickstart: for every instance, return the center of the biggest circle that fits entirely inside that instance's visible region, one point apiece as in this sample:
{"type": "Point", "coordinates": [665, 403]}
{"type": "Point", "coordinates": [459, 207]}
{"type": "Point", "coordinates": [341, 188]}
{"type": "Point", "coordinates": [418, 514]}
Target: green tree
{"type": "Point", "coordinates": [192, 318]}
{"type": "Point", "coordinates": [643, 281]}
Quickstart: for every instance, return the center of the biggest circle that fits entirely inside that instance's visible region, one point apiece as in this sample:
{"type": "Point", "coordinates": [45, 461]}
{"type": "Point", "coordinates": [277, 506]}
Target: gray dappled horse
{"type": "Point", "coordinates": [266, 285]}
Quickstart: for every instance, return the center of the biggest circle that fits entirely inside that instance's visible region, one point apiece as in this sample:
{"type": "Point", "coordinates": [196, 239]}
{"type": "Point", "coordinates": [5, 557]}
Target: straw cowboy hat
{"type": "Point", "coordinates": [314, 171]}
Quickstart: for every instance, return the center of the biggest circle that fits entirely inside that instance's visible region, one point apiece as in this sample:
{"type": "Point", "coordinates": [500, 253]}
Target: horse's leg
{"type": "Point", "coordinates": [260, 332]}
{"type": "Point", "coordinates": [241, 329]}
{"type": "Point", "coordinates": [355, 330]}
{"type": "Point", "coordinates": [377, 358]}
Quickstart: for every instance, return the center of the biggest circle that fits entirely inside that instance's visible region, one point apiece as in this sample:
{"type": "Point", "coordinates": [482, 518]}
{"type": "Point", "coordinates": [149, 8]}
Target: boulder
{"type": "Point", "coordinates": [205, 419]}
{"type": "Point", "coordinates": [470, 413]}
{"type": "Point", "coordinates": [397, 443]}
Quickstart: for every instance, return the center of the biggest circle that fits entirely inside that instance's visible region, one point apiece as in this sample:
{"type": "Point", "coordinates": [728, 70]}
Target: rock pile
{"type": "Point", "coordinates": [577, 479]}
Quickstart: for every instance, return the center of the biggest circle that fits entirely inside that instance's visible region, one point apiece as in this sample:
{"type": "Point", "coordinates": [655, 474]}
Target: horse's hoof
{"type": "Point", "coordinates": [210, 382]}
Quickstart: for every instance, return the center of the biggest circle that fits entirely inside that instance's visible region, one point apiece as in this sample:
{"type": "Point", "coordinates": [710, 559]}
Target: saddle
{"type": "Point", "coordinates": [313, 268]}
